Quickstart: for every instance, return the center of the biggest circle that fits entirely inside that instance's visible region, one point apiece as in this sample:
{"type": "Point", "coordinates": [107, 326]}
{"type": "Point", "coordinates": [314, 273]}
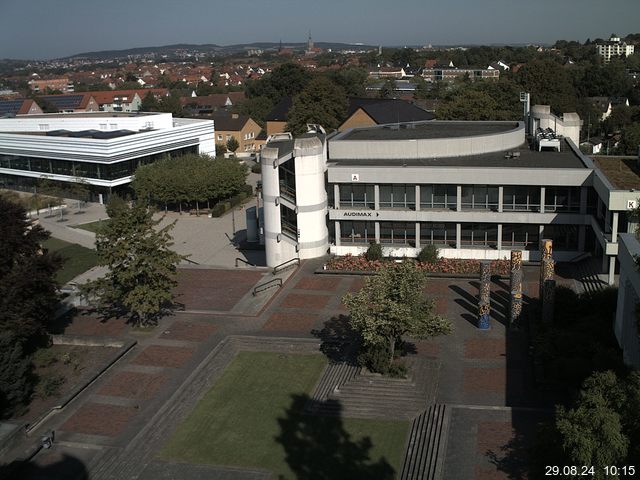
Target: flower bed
{"type": "Point", "coordinates": [359, 263]}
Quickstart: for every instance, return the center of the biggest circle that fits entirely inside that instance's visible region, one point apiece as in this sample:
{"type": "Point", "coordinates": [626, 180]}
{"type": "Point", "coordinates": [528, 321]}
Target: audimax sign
{"type": "Point", "coordinates": [360, 214]}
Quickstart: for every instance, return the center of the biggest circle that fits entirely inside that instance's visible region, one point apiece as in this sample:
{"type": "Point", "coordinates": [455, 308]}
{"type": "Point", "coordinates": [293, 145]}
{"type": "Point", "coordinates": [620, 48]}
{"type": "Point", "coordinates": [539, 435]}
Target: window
{"type": "Point", "coordinates": [103, 126]}
{"type": "Point", "coordinates": [520, 236]}
{"type": "Point", "coordinates": [479, 197]}
{"type": "Point", "coordinates": [43, 127]}
{"type": "Point", "coordinates": [398, 196]}
{"type": "Point", "coordinates": [398, 233]}
{"type": "Point", "coordinates": [438, 196]}
{"type": "Point", "coordinates": [289, 222]}
{"type": "Point", "coordinates": [521, 198]}
{"type": "Point", "coordinates": [443, 234]}
{"type": "Point", "coordinates": [479, 235]}
{"type": "Point", "coordinates": [228, 137]}
{"type": "Point", "coordinates": [219, 137]}
{"type": "Point", "coordinates": [287, 174]}
{"type": "Point", "coordinates": [562, 199]}
{"type": "Point", "coordinates": [354, 195]}
{"type": "Point", "coordinates": [565, 237]}
{"type": "Point", "coordinates": [357, 232]}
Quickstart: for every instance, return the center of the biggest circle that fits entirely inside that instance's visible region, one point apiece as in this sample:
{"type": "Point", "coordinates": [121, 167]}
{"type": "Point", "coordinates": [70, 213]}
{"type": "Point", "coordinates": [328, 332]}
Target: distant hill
{"type": "Point", "coordinates": [208, 49]}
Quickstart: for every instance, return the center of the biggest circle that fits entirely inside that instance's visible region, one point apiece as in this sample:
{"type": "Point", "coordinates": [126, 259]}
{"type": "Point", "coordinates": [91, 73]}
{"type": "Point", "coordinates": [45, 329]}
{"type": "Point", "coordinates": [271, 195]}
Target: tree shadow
{"type": "Point", "coordinates": [68, 467]}
{"type": "Point", "coordinates": [338, 339]}
{"type": "Point", "coordinates": [319, 448]}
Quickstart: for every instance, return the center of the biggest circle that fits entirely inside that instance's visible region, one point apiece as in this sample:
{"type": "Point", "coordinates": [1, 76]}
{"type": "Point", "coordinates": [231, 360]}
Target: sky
{"type": "Point", "coordinates": [45, 29]}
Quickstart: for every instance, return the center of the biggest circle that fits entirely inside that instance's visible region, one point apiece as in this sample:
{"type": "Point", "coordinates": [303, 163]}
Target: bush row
{"type": "Point", "coordinates": [221, 208]}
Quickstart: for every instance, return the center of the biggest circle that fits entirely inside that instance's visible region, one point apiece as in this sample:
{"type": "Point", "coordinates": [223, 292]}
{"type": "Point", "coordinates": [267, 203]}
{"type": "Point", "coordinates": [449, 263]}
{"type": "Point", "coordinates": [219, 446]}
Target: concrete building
{"type": "Point", "coordinates": [614, 48]}
{"type": "Point", "coordinates": [473, 189]}
{"type": "Point", "coordinates": [101, 149]}
{"type": "Point", "coordinates": [62, 84]}
{"type": "Point", "coordinates": [627, 325]}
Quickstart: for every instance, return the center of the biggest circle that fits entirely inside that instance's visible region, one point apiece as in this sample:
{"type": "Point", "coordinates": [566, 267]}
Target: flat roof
{"type": "Point", "coordinates": [528, 159]}
{"type": "Point", "coordinates": [86, 114]}
{"type": "Point", "coordinates": [427, 130]}
{"type": "Point", "coordinates": [622, 172]}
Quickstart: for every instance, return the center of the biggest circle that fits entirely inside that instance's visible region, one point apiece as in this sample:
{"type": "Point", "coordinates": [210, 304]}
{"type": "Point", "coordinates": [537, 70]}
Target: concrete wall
{"type": "Point", "coordinates": [628, 297]}
{"type": "Point", "coordinates": [568, 126]}
{"type": "Point", "coordinates": [83, 121]}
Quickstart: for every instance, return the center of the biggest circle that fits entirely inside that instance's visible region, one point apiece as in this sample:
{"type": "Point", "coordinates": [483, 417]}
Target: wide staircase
{"type": "Point", "coordinates": [349, 391]}
{"type": "Point", "coordinates": [586, 272]}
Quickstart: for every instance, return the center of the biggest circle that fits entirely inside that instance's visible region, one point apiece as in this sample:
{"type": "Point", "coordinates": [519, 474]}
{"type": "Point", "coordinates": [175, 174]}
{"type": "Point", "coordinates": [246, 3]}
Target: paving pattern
{"type": "Point", "coordinates": [469, 397]}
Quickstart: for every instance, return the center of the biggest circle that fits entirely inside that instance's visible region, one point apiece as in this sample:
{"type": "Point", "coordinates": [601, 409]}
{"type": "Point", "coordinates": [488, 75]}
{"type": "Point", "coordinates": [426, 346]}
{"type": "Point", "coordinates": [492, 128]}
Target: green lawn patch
{"type": "Point", "coordinates": [77, 259]}
{"type": "Point", "coordinates": [92, 226]}
{"type": "Point", "coordinates": [253, 418]}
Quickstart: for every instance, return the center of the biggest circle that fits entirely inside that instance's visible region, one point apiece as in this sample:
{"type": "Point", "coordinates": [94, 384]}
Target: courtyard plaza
{"type": "Point", "coordinates": [134, 420]}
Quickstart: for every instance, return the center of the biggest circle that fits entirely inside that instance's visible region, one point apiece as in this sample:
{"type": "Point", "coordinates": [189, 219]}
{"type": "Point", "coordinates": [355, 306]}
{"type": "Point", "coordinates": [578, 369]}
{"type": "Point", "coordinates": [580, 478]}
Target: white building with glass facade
{"type": "Point", "coordinates": [473, 189]}
{"type": "Point", "coordinates": [102, 149]}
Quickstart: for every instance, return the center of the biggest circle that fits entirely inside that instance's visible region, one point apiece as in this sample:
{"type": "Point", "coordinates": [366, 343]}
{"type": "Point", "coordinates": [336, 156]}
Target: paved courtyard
{"type": "Point", "coordinates": [116, 426]}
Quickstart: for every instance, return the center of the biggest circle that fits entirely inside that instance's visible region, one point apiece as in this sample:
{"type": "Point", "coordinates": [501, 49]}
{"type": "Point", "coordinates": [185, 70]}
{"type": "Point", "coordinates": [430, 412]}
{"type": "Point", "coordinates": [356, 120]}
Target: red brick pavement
{"type": "Point", "coordinates": [91, 325]}
{"type": "Point", "coordinates": [300, 300]}
{"type": "Point", "coordinates": [204, 289]}
{"type": "Point", "coordinates": [188, 331]}
{"type": "Point", "coordinates": [484, 380]}
{"type": "Point", "coordinates": [133, 385]}
{"type": "Point", "coordinates": [485, 348]}
{"type": "Point", "coordinates": [493, 436]}
{"type": "Point", "coordinates": [490, 473]}
{"type": "Point", "coordinates": [356, 284]}
{"type": "Point", "coordinates": [437, 288]}
{"type": "Point", "coordinates": [161, 356]}
{"type": "Point", "coordinates": [427, 348]}
{"type": "Point", "coordinates": [291, 322]}
{"type": "Point", "coordinates": [99, 419]}
{"type": "Point", "coordinates": [329, 283]}
{"type": "Point", "coordinates": [442, 305]}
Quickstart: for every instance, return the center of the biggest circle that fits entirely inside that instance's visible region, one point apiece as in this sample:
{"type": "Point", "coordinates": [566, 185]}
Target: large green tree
{"type": "Point", "coordinates": [28, 299]}
{"type": "Point", "coordinates": [392, 304]}
{"type": "Point", "coordinates": [549, 84]}
{"type": "Point", "coordinates": [142, 266]}
{"type": "Point", "coordinates": [322, 102]}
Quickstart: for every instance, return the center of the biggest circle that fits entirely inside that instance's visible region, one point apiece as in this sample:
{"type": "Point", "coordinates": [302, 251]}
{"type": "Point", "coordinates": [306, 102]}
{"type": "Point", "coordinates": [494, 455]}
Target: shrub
{"type": "Point", "coordinates": [248, 189]}
{"type": "Point", "coordinates": [44, 357]}
{"type": "Point", "coordinates": [428, 254]}
{"type": "Point", "coordinates": [256, 168]}
{"type": "Point", "coordinates": [217, 210]}
{"type": "Point", "coordinates": [50, 385]}
{"type": "Point", "coordinates": [374, 252]}
{"type": "Point", "coordinates": [375, 357]}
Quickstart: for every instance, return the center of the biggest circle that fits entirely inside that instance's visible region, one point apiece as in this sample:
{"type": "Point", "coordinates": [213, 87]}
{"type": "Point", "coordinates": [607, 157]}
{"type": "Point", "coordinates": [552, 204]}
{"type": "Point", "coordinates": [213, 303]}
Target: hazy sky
{"type": "Point", "coordinates": [41, 29]}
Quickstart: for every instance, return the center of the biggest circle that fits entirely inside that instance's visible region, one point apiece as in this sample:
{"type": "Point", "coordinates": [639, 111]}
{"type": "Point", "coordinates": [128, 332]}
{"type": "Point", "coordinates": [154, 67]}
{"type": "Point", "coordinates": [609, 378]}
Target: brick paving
{"type": "Point", "coordinates": [161, 356]}
{"type": "Point", "coordinates": [492, 436]}
{"type": "Point", "coordinates": [426, 348]}
{"type": "Point", "coordinates": [133, 385]}
{"type": "Point", "coordinates": [99, 419]}
{"type": "Point", "coordinates": [485, 348]}
{"type": "Point", "coordinates": [484, 380]}
{"type": "Point", "coordinates": [188, 331]}
{"type": "Point", "coordinates": [325, 283]}
{"type": "Point", "coordinates": [300, 300]}
{"type": "Point", "coordinates": [291, 322]}
{"type": "Point", "coordinates": [87, 324]}
{"type": "Point", "coordinates": [218, 290]}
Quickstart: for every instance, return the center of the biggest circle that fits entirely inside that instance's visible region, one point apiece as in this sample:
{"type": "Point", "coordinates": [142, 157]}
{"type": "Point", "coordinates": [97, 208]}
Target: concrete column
{"type": "Point", "coordinates": [376, 202]}
{"type": "Point", "coordinates": [614, 228]}
{"type": "Point", "coordinates": [500, 235]}
{"type": "Point", "coordinates": [336, 195]}
{"type": "Point", "coordinates": [417, 199]}
{"type": "Point", "coordinates": [542, 199]}
{"type": "Point", "coordinates": [458, 198]}
{"type": "Point", "coordinates": [458, 235]}
{"type": "Point", "coordinates": [337, 233]}
{"type": "Point", "coordinates": [500, 199]}
{"type": "Point", "coordinates": [417, 234]}
{"type": "Point", "coordinates": [612, 269]}
{"type": "Point", "coordinates": [582, 233]}
{"type": "Point", "coordinates": [583, 200]}
{"type": "Point", "coordinates": [377, 230]}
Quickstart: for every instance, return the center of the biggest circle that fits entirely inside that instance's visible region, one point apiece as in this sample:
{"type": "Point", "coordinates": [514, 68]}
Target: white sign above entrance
{"type": "Point", "coordinates": [355, 177]}
{"type": "Point", "coordinates": [365, 214]}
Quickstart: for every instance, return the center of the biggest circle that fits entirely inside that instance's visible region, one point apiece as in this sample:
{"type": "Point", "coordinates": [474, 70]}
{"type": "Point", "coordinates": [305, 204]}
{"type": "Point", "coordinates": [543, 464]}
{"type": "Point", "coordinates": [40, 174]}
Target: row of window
{"type": "Point", "coordinates": [474, 197]}
{"type": "Point", "coordinates": [483, 235]}
{"type": "Point", "coordinates": [71, 168]}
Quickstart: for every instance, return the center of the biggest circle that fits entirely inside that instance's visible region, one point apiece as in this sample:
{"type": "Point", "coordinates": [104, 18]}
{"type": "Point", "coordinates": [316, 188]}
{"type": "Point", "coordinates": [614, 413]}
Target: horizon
{"type": "Point", "coordinates": [78, 27]}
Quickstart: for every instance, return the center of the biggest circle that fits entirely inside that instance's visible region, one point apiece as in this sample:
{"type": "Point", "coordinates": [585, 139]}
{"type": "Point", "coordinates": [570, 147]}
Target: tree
{"type": "Point", "coordinates": [390, 305]}
{"type": "Point", "coordinates": [321, 102]}
{"type": "Point", "coordinates": [387, 89]}
{"type": "Point", "coordinates": [142, 266]}
{"type": "Point", "coordinates": [549, 84]}
{"type": "Point", "coordinates": [15, 384]}
{"type": "Point", "coordinates": [232, 144]}
{"type": "Point", "coordinates": [257, 108]}
{"type": "Point", "coordinates": [149, 103]}
{"type": "Point", "coordinates": [631, 139]}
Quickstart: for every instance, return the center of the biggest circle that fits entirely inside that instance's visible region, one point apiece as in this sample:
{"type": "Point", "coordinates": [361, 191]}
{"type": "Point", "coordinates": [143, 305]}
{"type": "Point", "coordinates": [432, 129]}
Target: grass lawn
{"type": "Point", "coordinates": [78, 259]}
{"type": "Point", "coordinates": [250, 419]}
{"type": "Point", "coordinates": [93, 226]}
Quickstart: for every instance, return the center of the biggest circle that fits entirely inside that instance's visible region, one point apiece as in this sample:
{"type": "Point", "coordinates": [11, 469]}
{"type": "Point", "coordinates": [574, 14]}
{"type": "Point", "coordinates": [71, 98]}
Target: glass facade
{"type": "Point", "coordinates": [479, 197]}
{"type": "Point", "coordinates": [289, 221]}
{"type": "Point", "coordinates": [483, 235]}
{"type": "Point", "coordinates": [520, 236]}
{"type": "Point", "coordinates": [72, 168]}
{"type": "Point", "coordinates": [398, 196]}
{"type": "Point", "coordinates": [357, 232]}
{"type": "Point", "coordinates": [354, 195]}
{"type": "Point", "coordinates": [441, 234]}
{"type": "Point", "coordinates": [438, 197]}
{"type": "Point", "coordinates": [521, 198]}
{"type": "Point", "coordinates": [565, 237]}
{"type": "Point", "coordinates": [398, 233]}
{"type": "Point", "coordinates": [562, 199]}
{"type": "Point", "coordinates": [287, 177]}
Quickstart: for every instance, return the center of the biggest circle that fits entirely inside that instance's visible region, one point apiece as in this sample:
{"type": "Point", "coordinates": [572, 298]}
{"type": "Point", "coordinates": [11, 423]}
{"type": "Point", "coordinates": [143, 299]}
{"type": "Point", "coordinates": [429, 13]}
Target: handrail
{"type": "Point", "coordinates": [285, 265]}
{"type": "Point", "coordinates": [274, 282]}
{"type": "Point", "coordinates": [238, 259]}
{"type": "Point", "coordinates": [191, 261]}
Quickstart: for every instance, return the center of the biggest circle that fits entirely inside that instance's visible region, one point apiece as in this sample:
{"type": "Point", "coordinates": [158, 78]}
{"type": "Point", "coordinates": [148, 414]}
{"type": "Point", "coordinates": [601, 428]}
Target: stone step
{"type": "Point", "coordinates": [425, 449]}
{"type": "Point", "coordinates": [382, 412]}
{"type": "Point", "coordinates": [348, 391]}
